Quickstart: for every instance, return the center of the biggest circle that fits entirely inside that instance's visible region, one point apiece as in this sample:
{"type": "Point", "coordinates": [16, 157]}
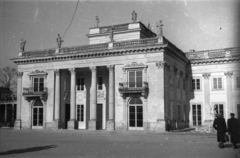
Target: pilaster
{"type": "Point", "coordinates": [230, 107]}
{"type": "Point", "coordinates": [207, 105]}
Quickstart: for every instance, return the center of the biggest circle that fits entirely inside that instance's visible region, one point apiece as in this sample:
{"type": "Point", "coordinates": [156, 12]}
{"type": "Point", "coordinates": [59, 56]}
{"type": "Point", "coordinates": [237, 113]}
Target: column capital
{"type": "Point", "coordinates": [206, 75]}
{"type": "Point", "coordinates": [19, 74]}
{"type": "Point", "coordinates": [162, 64]}
{"type": "Point", "coordinates": [228, 74]}
{"type": "Point", "coordinates": [57, 71]}
{"type": "Point", "coordinates": [93, 69]}
{"type": "Point", "coordinates": [110, 68]}
{"type": "Point", "coordinates": [72, 70]}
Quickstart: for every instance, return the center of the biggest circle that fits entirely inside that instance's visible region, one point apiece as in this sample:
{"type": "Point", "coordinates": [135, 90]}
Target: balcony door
{"type": "Point", "coordinates": [135, 78]}
{"type": "Point", "coordinates": [135, 114]}
{"type": "Point", "coordinates": [37, 115]}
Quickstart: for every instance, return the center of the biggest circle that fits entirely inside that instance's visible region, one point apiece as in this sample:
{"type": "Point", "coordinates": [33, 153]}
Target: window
{"type": "Point", "coordinates": [196, 84]}
{"type": "Point", "coordinates": [100, 83]}
{"type": "Point", "coordinates": [135, 113]}
{"type": "Point", "coordinates": [218, 109]}
{"type": "Point", "coordinates": [80, 113]}
{"type": "Point", "coordinates": [238, 111]}
{"type": "Point", "coordinates": [183, 83]}
{"type": "Point", "coordinates": [179, 112]}
{"type": "Point", "coordinates": [37, 119]}
{"type": "Point", "coordinates": [171, 79]}
{"type": "Point", "coordinates": [238, 82]}
{"type": "Point", "coordinates": [217, 83]}
{"type": "Point", "coordinates": [197, 115]}
{"type": "Point", "coordinates": [38, 84]}
{"type": "Point", "coordinates": [178, 82]}
{"type": "Point", "coordinates": [135, 78]}
{"type": "Point", "coordinates": [80, 84]}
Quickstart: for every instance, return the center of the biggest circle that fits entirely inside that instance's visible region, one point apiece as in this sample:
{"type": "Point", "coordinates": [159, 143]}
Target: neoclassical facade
{"type": "Point", "coordinates": [126, 78]}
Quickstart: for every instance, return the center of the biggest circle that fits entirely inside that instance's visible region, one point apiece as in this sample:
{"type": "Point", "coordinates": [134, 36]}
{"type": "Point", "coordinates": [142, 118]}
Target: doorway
{"type": "Point", "coordinates": [37, 115]}
{"type": "Point", "coordinates": [135, 114]}
{"type": "Point", "coordinates": [67, 114]}
{"type": "Point", "coordinates": [99, 116]}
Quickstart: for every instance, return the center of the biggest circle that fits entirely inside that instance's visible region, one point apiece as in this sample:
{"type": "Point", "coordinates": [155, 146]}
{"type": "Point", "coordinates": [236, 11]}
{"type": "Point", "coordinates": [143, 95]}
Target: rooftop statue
{"type": "Point", "coordinates": [111, 33]}
{"type": "Point", "coordinates": [97, 21]}
{"type": "Point", "coordinates": [159, 28]}
{"type": "Point", "coordinates": [59, 40]}
{"type": "Point", "coordinates": [149, 26]}
{"type": "Point", "coordinates": [23, 42]}
{"type": "Point", "coordinates": [134, 16]}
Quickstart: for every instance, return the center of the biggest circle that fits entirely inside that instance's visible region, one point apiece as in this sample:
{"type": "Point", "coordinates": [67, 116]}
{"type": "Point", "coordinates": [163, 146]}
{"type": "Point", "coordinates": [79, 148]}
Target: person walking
{"type": "Point", "coordinates": [233, 130]}
{"type": "Point", "coordinates": [219, 124]}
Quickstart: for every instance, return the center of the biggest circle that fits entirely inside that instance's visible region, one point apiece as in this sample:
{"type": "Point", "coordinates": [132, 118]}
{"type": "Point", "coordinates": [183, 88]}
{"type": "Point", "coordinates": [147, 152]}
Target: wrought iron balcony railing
{"type": "Point", "coordinates": [34, 91]}
{"type": "Point", "coordinates": [133, 87]}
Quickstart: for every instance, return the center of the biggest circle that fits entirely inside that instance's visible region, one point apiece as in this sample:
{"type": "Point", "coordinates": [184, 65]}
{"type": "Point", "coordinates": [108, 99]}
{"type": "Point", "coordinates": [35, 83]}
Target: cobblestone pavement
{"type": "Point", "coordinates": [104, 144]}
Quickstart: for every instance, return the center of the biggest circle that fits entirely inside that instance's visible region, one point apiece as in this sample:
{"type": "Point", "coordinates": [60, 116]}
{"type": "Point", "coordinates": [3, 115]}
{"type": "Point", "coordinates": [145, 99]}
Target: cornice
{"type": "Point", "coordinates": [215, 61]}
{"type": "Point", "coordinates": [89, 55]}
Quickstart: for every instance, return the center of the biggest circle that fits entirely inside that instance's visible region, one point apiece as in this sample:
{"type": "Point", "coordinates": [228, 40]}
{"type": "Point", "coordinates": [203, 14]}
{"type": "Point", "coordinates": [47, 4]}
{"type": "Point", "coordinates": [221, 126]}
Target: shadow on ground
{"type": "Point", "coordinates": [33, 149]}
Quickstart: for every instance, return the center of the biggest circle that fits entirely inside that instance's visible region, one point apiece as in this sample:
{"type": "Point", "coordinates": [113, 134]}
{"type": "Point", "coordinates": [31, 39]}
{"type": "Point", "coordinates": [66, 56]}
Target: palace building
{"type": "Point", "coordinates": [126, 78]}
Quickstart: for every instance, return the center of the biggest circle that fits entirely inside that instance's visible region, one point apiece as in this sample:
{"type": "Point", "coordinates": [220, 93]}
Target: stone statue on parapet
{"type": "Point", "coordinates": [159, 28]}
{"type": "Point", "coordinates": [149, 26]}
{"type": "Point", "coordinates": [23, 42]}
{"type": "Point", "coordinates": [59, 41]}
{"type": "Point", "coordinates": [111, 33]}
{"type": "Point", "coordinates": [134, 16]}
{"type": "Point", "coordinates": [97, 21]}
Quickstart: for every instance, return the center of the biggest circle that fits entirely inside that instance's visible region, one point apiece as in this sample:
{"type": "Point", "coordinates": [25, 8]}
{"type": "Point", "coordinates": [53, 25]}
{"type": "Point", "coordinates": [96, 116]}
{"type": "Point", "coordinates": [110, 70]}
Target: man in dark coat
{"type": "Point", "coordinates": [219, 124]}
{"type": "Point", "coordinates": [233, 130]}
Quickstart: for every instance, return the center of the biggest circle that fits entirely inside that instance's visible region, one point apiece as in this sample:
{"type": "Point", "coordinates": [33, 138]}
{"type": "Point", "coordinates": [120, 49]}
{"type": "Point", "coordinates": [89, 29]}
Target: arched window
{"type": "Point", "coordinates": [37, 114]}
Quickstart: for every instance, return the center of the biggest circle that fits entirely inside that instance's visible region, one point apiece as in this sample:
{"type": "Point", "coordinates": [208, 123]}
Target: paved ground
{"type": "Point", "coordinates": [104, 144]}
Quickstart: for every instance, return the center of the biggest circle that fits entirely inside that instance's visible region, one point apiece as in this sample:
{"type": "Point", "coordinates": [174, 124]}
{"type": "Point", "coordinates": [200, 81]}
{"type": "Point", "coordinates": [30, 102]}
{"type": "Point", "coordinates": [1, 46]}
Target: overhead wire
{"type": "Point", "coordinates": [72, 18]}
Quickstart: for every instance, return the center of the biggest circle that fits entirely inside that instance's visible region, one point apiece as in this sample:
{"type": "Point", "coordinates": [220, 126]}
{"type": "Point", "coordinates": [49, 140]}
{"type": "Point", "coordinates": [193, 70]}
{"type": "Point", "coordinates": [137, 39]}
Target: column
{"type": "Point", "coordinates": [72, 123]}
{"type": "Point", "coordinates": [93, 100]}
{"type": "Point", "coordinates": [229, 107]}
{"type": "Point", "coordinates": [207, 105]}
{"type": "Point", "coordinates": [57, 121]}
{"type": "Point", "coordinates": [110, 122]}
{"type": "Point", "coordinates": [5, 115]}
{"type": "Point", "coordinates": [17, 123]}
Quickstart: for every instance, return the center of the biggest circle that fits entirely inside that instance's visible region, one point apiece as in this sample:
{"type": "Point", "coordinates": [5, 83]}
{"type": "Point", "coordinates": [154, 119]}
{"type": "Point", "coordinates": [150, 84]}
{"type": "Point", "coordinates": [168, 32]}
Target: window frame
{"type": "Point", "coordinates": [135, 78]}
{"type": "Point", "coordinates": [219, 103]}
{"type": "Point", "coordinates": [236, 83]}
{"type": "Point", "coordinates": [80, 86]}
{"type": "Point", "coordinates": [197, 115]}
{"type": "Point", "coordinates": [218, 89]}
{"type": "Point", "coordinates": [38, 87]}
{"type": "Point", "coordinates": [195, 85]}
{"type": "Point", "coordinates": [98, 85]}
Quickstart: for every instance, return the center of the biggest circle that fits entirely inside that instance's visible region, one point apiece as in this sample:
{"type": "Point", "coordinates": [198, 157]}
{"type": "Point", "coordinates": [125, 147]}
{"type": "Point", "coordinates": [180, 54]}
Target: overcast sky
{"type": "Point", "coordinates": [189, 24]}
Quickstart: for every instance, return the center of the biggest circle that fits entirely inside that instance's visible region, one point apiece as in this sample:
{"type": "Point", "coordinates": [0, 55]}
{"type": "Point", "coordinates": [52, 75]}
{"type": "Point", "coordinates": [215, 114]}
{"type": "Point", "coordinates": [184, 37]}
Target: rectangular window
{"type": "Point", "coordinates": [196, 84]}
{"type": "Point", "coordinates": [38, 84]}
{"type": "Point", "coordinates": [80, 113]}
{"type": "Point", "coordinates": [238, 82]}
{"type": "Point", "coordinates": [218, 109]}
{"type": "Point", "coordinates": [238, 111]}
{"type": "Point", "coordinates": [100, 83]}
{"type": "Point", "coordinates": [179, 112]}
{"type": "Point", "coordinates": [196, 115]}
{"type": "Point", "coordinates": [135, 79]}
{"type": "Point", "coordinates": [217, 83]}
{"type": "Point", "coordinates": [80, 84]}
{"type": "Point", "coordinates": [171, 79]}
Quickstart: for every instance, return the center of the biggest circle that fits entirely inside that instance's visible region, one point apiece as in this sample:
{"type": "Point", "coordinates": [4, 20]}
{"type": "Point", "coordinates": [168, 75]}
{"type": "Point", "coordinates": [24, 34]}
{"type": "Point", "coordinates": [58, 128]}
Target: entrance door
{"type": "Point", "coordinates": [99, 116]}
{"type": "Point", "coordinates": [81, 116]}
{"type": "Point", "coordinates": [135, 114]}
{"type": "Point", "coordinates": [67, 114]}
{"type": "Point", "coordinates": [37, 113]}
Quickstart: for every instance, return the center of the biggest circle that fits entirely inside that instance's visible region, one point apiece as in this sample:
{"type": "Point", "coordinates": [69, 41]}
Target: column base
{"type": "Point", "coordinates": [92, 124]}
{"type": "Point", "coordinates": [57, 124]}
{"type": "Point", "coordinates": [17, 124]}
{"type": "Point", "coordinates": [72, 124]}
{"type": "Point", "coordinates": [110, 125]}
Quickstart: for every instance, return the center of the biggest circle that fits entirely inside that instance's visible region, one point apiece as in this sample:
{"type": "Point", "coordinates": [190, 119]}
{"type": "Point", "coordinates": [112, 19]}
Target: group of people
{"type": "Point", "coordinates": [232, 128]}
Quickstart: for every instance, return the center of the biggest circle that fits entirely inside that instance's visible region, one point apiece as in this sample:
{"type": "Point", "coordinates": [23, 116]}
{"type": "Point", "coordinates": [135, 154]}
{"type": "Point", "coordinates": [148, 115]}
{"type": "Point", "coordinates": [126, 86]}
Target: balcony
{"type": "Point", "coordinates": [31, 93]}
{"type": "Point", "coordinates": [133, 87]}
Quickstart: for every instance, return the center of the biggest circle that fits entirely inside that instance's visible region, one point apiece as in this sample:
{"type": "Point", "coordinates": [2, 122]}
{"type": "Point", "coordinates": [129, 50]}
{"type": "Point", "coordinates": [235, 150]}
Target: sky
{"type": "Point", "coordinates": [188, 24]}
